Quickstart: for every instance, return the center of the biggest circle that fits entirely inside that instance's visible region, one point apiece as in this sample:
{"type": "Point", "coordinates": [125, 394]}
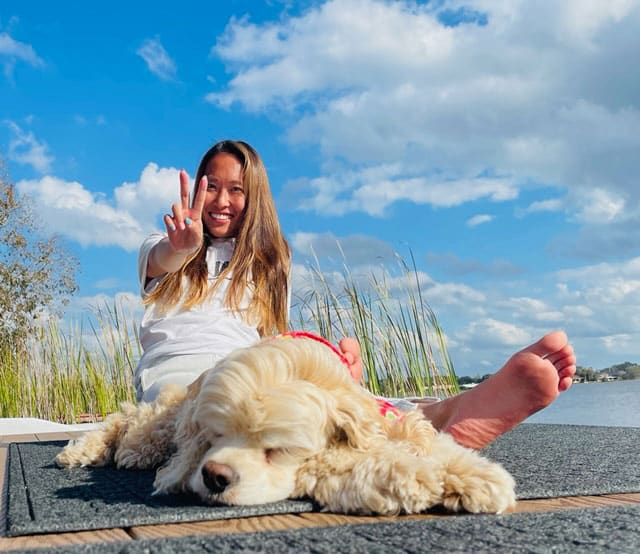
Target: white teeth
{"type": "Point", "coordinates": [219, 216]}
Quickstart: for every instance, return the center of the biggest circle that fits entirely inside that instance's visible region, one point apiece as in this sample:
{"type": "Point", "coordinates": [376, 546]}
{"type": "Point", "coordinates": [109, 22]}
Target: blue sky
{"type": "Point", "coordinates": [498, 142]}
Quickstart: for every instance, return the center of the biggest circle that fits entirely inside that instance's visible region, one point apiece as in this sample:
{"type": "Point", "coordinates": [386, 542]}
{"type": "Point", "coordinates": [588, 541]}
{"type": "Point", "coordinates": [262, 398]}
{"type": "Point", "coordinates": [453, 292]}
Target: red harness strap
{"type": "Point", "coordinates": [387, 409]}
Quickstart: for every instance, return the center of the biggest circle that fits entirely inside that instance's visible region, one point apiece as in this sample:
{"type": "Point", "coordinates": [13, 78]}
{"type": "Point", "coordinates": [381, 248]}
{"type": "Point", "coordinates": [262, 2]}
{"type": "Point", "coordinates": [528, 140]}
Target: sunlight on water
{"type": "Point", "coordinates": [611, 404]}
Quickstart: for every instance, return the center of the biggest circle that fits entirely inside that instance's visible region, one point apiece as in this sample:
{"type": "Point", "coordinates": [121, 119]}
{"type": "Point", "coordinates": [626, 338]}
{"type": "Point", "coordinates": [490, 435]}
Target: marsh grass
{"type": "Point", "coordinates": [403, 346]}
{"type": "Point", "coordinates": [62, 378]}
{"type": "Point", "coordinates": [64, 375]}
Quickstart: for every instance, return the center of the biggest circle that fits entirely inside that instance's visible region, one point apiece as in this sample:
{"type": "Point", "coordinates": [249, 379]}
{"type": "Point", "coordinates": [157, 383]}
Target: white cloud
{"type": "Point", "coordinates": [71, 210]}
{"type": "Point", "coordinates": [152, 194]}
{"type": "Point", "coordinates": [454, 265]}
{"type": "Point", "coordinates": [13, 51]}
{"type": "Point", "coordinates": [373, 190]}
{"type": "Point", "coordinates": [25, 149]}
{"type": "Point", "coordinates": [479, 220]}
{"type": "Point", "coordinates": [549, 205]}
{"type": "Point", "coordinates": [83, 120]}
{"type": "Point", "coordinates": [585, 20]}
{"type": "Point", "coordinates": [599, 206]}
{"type": "Point", "coordinates": [352, 250]}
{"type": "Point", "coordinates": [531, 310]}
{"type": "Point", "coordinates": [157, 59]}
{"type": "Point", "coordinates": [331, 46]}
{"type": "Point", "coordinates": [596, 304]}
{"type": "Point", "coordinates": [537, 96]}
{"type": "Point", "coordinates": [602, 272]}
{"type": "Point", "coordinates": [491, 332]}
{"type": "Point", "coordinates": [108, 283]}
{"type": "Point", "coordinates": [455, 294]}
{"type": "Point", "coordinates": [128, 302]}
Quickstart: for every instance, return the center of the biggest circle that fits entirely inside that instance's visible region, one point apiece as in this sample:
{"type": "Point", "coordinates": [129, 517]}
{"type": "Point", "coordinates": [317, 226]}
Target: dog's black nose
{"type": "Point", "coordinates": [217, 477]}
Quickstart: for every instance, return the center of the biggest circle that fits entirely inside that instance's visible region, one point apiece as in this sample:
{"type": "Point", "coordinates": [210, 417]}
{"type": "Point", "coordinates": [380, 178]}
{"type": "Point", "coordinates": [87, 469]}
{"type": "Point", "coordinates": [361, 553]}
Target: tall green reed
{"type": "Point", "coordinates": [403, 346]}
{"type": "Point", "coordinates": [63, 375]}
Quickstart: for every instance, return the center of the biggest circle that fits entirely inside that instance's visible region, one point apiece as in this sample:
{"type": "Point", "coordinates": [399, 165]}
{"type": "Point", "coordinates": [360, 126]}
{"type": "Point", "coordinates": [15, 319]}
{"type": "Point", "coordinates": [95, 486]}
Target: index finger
{"type": "Point", "coordinates": [198, 201]}
{"type": "Point", "coordinates": [184, 189]}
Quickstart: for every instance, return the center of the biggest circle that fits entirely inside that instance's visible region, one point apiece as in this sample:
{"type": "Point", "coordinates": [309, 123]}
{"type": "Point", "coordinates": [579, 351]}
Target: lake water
{"type": "Point", "coordinates": [612, 404]}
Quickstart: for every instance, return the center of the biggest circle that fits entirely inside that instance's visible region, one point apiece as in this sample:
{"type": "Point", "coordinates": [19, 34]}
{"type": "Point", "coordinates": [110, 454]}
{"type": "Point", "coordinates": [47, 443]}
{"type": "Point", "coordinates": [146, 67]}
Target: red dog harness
{"type": "Point", "coordinates": [387, 409]}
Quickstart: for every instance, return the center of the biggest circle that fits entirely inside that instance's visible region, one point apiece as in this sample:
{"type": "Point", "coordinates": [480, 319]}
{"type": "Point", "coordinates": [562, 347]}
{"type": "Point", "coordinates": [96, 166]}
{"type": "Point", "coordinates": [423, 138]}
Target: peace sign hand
{"type": "Point", "coordinates": [185, 226]}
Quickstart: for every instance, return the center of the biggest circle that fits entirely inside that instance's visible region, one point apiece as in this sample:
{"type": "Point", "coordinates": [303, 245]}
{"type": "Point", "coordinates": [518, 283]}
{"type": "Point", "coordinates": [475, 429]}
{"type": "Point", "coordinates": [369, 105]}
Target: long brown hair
{"type": "Point", "coordinates": [261, 258]}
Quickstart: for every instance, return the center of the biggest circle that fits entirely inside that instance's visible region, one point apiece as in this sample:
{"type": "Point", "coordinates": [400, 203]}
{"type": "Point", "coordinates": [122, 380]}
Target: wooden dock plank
{"type": "Point", "coordinates": [62, 539]}
{"type": "Point", "coordinates": [59, 436]}
{"type": "Point", "coordinates": [575, 502]}
{"type": "Point", "coordinates": [278, 522]}
{"type": "Point", "coordinates": [26, 437]}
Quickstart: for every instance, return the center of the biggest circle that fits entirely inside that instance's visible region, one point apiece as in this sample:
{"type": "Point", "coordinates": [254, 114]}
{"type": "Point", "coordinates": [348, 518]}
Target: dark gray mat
{"type": "Point", "coordinates": [569, 460]}
{"type": "Point", "coordinates": [588, 530]}
{"type": "Point", "coordinates": [546, 461]}
{"type": "Point", "coordinates": [43, 498]}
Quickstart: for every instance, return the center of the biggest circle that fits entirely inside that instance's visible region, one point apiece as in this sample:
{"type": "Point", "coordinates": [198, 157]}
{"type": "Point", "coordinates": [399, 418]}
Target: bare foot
{"type": "Point", "coordinates": [531, 380]}
{"type": "Point", "coordinates": [351, 351]}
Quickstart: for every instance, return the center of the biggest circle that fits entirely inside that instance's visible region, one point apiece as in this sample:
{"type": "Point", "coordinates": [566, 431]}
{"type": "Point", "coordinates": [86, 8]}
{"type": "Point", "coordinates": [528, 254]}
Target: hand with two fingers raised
{"type": "Point", "coordinates": [184, 227]}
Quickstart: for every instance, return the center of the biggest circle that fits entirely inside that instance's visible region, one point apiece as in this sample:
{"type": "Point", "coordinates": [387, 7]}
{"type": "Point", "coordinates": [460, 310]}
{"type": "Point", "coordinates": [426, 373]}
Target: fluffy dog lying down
{"type": "Point", "coordinates": [283, 419]}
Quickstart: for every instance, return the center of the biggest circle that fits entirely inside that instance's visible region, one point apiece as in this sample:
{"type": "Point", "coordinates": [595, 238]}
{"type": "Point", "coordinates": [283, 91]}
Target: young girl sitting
{"type": "Point", "coordinates": [218, 279]}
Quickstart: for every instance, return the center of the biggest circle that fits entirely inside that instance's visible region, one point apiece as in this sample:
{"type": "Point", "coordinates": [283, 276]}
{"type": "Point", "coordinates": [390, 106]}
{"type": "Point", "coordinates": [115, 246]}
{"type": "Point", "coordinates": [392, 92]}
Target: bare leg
{"type": "Point", "coordinates": [531, 380]}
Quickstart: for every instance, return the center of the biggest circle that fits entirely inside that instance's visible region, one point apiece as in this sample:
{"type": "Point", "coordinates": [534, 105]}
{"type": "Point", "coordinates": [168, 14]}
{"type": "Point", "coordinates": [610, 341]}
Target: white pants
{"type": "Point", "coordinates": [175, 370]}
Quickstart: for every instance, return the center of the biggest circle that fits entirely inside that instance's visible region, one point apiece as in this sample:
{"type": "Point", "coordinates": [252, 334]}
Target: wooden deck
{"type": "Point", "coordinates": [251, 524]}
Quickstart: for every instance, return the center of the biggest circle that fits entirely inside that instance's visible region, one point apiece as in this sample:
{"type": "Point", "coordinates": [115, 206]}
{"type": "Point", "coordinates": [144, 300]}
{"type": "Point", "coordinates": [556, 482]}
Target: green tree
{"type": "Point", "coordinates": [587, 373]}
{"type": "Point", "coordinates": [37, 275]}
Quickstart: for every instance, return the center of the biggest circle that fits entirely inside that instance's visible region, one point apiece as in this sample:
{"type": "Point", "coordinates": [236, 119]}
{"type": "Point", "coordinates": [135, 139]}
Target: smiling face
{"type": "Point", "coordinates": [224, 205]}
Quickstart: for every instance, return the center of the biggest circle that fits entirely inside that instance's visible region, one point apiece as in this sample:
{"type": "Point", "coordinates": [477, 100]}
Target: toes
{"type": "Point", "coordinates": [550, 344]}
{"type": "Point", "coordinates": [565, 383]}
{"type": "Point", "coordinates": [568, 371]}
{"type": "Point", "coordinates": [349, 345]}
{"type": "Point", "coordinates": [562, 359]}
{"type": "Point", "coordinates": [349, 357]}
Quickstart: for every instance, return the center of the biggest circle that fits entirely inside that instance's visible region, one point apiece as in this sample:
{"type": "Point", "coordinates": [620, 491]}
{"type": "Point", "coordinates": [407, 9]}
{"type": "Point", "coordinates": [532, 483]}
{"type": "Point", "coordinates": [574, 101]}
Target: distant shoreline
{"type": "Point", "coordinates": [604, 381]}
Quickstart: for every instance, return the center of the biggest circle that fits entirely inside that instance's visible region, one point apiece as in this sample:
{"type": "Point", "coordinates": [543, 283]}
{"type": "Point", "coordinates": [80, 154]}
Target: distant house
{"type": "Point", "coordinates": [607, 377]}
{"type": "Point", "coordinates": [578, 379]}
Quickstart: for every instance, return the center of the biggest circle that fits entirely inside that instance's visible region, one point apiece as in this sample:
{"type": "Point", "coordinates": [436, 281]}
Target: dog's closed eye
{"type": "Point", "coordinates": [272, 453]}
{"type": "Point", "coordinates": [214, 436]}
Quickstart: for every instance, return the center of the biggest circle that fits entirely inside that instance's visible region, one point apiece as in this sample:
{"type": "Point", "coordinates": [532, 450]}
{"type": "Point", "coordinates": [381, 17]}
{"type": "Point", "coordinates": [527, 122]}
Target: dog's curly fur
{"type": "Point", "coordinates": [283, 419]}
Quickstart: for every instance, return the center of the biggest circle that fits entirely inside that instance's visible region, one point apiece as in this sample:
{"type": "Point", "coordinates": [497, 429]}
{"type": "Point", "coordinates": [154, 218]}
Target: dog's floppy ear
{"type": "Point", "coordinates": [356, 415]}
{"type": "Point", "coordinates": [353, 413]}
{"type": "Point", "coordinates": [190, 443]}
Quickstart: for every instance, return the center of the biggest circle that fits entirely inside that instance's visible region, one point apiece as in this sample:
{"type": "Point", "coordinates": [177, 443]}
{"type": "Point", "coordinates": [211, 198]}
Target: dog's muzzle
{"type": "Point", "coordinates": [217, 477]}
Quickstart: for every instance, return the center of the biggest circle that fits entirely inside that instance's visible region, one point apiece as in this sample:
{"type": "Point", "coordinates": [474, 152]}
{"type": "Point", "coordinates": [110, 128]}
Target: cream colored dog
{"type": "Point", "coordinates": [283, 419]}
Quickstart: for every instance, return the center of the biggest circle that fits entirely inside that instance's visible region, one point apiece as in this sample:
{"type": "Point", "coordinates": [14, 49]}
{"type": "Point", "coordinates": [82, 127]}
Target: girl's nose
{"type": "Point", "coordinates": [222, 198]}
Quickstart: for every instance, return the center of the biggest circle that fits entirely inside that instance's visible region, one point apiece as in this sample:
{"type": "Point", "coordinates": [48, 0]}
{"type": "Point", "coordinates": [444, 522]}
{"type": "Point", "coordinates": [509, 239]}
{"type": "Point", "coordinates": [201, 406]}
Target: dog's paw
{"type": "Point", "coordinates": [487, 488]}
{"type": "Point", "coordinates": [83, 453]}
